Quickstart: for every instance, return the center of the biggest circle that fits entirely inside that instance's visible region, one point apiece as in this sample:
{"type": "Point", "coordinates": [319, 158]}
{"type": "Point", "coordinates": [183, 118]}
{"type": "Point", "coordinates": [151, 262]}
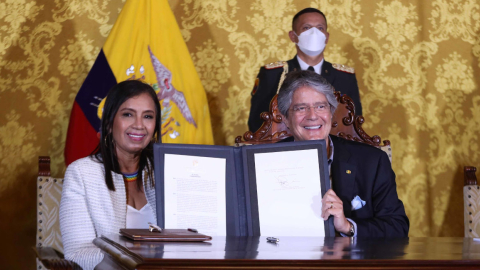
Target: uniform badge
{"type": "Point", "coordinates": [344, 68]}
{"type": "Point", "coordinates": [274, 65]}
{"type": "Point", "coordinates": [255, 87]}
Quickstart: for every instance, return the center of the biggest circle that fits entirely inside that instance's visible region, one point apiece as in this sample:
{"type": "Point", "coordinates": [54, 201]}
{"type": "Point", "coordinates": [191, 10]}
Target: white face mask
{"type": "Point", "coordinates": [312, 41]}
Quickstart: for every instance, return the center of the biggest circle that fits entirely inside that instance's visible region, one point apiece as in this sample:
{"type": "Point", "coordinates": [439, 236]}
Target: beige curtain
{"type": "Point", "coordinates": [417, 65]}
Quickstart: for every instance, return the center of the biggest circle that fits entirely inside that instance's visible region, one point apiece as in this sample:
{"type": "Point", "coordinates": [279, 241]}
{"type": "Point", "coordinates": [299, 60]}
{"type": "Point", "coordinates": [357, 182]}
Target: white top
{"type": "Point", "coordinates": [304, 66]}
{"type": "Point", "coordinates": [89, 209]}
{"type": "Point", "coordinates": [139, 219]}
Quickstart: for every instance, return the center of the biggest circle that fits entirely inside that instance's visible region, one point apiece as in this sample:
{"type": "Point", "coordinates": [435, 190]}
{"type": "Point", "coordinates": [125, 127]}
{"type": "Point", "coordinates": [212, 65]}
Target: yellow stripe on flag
{"type": "Point", "coordinates": [150, 23]}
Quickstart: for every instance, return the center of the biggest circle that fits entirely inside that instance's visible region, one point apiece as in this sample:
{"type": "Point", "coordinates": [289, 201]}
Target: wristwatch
{"type": "Point", "coordinates": [352, 229]}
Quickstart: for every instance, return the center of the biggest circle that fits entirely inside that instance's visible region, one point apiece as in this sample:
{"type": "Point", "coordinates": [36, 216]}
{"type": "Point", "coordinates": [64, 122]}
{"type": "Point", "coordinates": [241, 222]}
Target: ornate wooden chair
{"type": "Point", "coordinates": [345, 124]}
{"type": "Point", "coordinates": [49, 246]}
{"type": "Point", "coordinates": [471, 202]}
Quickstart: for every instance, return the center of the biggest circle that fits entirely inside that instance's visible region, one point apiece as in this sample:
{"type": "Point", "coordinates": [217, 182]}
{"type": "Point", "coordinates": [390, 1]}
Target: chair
{"type": "Point", "coordinates": [471, 202]}
{"type": "Point", "coordinates": [345, 124]}
{"type": "Point", "coordinates": [49, 248]}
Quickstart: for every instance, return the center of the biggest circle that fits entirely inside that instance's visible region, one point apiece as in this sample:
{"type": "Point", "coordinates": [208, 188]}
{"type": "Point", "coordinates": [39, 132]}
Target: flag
{"type": "Point", "coordinates": [145, 43]}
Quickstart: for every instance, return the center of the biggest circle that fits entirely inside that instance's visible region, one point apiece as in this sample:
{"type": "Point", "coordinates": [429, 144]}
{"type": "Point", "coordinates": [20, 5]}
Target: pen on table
{"type": "Point", "coordinates": [154, 227]}
{"type": "Point", "coordinates": [273, 240]}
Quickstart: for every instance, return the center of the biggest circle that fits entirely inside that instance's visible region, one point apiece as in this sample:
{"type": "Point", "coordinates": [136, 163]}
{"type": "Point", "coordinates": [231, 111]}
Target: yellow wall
{"type": "Point", "coordinates": [417, 64]}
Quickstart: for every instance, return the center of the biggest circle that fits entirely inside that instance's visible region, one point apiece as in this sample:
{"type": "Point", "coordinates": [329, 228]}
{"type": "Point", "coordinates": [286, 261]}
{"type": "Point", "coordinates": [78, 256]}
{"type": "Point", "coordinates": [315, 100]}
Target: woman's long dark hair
{"type": "Point", "coordinates": [105, 151]}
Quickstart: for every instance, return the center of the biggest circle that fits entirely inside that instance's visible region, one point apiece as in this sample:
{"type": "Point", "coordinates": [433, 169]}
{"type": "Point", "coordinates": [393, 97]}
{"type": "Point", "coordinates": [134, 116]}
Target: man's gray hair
{"type": "Point", "coordinates": [304, 78]}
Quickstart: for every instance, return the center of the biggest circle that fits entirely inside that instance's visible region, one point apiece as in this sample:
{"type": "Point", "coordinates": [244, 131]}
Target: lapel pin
{"type": "Point", "coordinates": [348, 172]}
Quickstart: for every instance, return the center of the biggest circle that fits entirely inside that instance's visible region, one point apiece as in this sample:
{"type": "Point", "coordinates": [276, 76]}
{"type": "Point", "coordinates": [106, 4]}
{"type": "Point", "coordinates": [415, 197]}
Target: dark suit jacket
{"type": "Point", "coordinates": [267, 87]}
{"type": "Point", "coordinates": [373, 180]}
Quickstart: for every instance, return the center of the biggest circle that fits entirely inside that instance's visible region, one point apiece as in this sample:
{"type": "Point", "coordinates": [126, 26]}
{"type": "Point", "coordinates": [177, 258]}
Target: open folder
{"type": "Point", "coordinates": [252, 190]}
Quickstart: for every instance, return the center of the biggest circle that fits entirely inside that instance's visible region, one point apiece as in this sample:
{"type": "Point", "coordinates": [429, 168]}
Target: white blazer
{"type": "Point", "coordinates": [88, 209]}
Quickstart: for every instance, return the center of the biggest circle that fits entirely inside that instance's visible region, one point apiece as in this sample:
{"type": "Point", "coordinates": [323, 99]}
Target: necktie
{"type": "Point", "coordinates": [311, 68]}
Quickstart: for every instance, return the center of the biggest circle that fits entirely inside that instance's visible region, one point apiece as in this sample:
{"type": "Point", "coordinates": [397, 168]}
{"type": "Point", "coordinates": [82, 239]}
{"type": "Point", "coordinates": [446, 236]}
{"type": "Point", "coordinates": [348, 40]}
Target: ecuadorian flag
{"type": "Point", "coordinates": [145, 43]}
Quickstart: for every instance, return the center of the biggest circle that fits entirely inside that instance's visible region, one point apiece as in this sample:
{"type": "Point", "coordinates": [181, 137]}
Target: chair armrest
{"type": "Point", "coordinates": [53, 259]}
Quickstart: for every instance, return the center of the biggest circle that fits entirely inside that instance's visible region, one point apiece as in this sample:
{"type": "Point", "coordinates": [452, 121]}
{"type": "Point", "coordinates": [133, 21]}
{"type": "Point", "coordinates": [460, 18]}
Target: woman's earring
{"type": "Point", "coordinates": [106, 145]}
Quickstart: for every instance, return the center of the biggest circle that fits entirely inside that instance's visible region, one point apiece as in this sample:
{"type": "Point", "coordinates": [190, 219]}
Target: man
{"type": "Point", "coordinates": [364, 200]}
{"type": "Point", "coordinates": [309, 33]}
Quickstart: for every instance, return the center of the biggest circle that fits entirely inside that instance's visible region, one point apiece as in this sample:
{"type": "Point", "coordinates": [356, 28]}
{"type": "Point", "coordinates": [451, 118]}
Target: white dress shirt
{"type": "Point", "coordinates": [139, 219]}
{"type": "Point", "coordinates": [304, 66]}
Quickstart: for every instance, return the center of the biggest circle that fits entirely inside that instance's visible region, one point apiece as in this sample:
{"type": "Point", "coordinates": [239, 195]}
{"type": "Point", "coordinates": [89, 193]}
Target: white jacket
{"type": "Point", "coordinates": [88, 209]}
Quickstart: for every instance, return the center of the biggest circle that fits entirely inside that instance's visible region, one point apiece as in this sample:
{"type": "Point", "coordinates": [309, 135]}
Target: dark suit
{"type": "Point", "coordinates": [373, 180]}
{"type": "Point", "coordinates": [267, 87]}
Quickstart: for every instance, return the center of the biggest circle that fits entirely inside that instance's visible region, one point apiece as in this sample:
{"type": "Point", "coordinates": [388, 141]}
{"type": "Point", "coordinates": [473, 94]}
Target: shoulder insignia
{"type": "Point", "coordinates": [274, 65]}
{"type": "Point", "coordinates": [343, 68]}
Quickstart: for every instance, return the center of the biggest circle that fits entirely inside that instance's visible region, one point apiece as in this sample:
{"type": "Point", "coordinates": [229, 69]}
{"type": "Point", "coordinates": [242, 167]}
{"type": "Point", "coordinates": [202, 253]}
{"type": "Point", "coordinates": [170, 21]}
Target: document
{"type": "Point", "coordinates": [268, 189]}
{"type": "Point", "coordinates": [195, 194]}
{"type": "Point", "coordinates": [289, 193]}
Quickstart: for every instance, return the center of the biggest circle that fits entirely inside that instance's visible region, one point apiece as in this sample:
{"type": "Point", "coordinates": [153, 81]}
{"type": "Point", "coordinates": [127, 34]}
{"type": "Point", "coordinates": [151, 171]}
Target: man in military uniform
{"type": "Point", "coordinates": [309, 33]}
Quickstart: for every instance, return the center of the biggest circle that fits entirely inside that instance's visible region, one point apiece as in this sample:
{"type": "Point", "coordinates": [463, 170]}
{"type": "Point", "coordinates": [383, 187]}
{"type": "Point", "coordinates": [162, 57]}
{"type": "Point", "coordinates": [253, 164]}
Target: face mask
{"type": "Point", "coordinates": [311, 42]}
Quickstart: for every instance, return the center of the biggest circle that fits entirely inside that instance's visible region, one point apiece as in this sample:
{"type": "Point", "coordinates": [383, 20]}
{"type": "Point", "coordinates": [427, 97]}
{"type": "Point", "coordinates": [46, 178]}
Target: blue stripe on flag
{"type": "Point", "coordinates": [99, 81]}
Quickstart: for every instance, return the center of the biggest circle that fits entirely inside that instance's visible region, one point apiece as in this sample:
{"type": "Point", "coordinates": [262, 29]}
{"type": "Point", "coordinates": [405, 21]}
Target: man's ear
{"type": "Point", "coordinates": [293, 37]}
{"type": "Point", "coordinates": [285, 121]}
{"type": "Point", "coordinates": [327, 35]}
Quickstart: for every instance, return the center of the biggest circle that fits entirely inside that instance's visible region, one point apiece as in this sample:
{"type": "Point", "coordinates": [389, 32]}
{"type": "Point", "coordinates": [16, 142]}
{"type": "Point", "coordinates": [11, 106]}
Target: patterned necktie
{"type": "Point", "coordinates": [311, 68]}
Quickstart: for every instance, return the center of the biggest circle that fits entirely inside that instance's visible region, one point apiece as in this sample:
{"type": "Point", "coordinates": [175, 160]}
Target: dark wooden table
{"type": "Point", "coordinates": [292, 253]}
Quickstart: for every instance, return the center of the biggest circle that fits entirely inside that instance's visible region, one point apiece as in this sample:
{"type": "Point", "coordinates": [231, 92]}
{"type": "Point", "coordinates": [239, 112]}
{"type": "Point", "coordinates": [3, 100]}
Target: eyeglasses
{"type": "Point", "coordinates": [318, 109]}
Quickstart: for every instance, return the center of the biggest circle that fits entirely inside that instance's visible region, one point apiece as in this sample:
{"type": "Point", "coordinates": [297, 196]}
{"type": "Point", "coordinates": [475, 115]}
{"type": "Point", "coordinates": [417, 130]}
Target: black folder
{"type": "Point", "coordinates": [240, 187]}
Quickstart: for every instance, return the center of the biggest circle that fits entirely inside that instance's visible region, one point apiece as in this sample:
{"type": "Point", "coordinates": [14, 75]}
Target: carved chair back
{"type": "Point", "coordinates": [345, 124]}
{"type": "Point", "coordinates": [49, 247]}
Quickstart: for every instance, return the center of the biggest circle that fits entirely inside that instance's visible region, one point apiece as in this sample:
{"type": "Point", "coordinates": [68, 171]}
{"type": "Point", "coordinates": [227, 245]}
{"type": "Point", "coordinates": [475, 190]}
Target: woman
{"type": "Point", "coordinates": [114, 187]}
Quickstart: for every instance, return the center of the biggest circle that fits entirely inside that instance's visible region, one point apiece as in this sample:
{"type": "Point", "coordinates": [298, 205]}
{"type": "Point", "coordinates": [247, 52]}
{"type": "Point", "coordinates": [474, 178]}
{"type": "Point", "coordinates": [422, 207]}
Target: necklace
{"type": "Point", "coordinates": [130, 177]}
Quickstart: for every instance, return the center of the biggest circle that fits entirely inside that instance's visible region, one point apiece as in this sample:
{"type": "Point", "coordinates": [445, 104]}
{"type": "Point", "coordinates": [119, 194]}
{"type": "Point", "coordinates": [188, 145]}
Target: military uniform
{"type": "Point", "coordinates": [266, 85]}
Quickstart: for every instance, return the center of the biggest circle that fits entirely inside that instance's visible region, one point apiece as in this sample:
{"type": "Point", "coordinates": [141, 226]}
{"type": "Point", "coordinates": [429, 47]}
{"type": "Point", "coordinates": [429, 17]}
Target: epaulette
{"type": "Point", "coordinates": [344, 68]}
{"type": "Point", "coordinates": [274, 65]}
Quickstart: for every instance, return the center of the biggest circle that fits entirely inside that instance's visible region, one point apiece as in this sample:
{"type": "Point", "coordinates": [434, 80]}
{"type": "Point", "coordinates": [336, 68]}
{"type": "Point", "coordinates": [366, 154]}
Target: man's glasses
{"type": "Point", "coordinates": [318, 109]}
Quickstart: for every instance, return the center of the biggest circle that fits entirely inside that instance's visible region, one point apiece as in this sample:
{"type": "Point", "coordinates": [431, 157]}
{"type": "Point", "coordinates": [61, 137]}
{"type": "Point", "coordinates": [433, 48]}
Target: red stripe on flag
{"type": "Point", "coordinates": [81, 136]}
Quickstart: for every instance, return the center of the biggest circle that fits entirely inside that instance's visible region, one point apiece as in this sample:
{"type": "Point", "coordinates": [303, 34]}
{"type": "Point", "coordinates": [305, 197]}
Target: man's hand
{"type": "Point", "coordinates": [332, 205]}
